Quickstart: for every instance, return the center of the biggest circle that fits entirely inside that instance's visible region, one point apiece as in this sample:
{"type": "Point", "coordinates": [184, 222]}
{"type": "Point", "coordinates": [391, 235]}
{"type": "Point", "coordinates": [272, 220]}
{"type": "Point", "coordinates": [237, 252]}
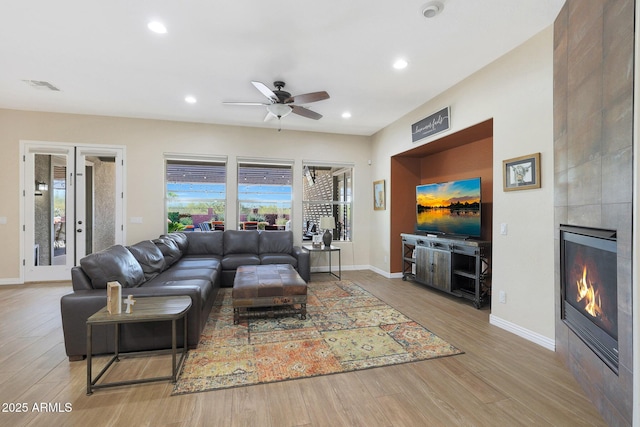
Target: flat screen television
{"type": "Point", "coordinates": [449, 208]}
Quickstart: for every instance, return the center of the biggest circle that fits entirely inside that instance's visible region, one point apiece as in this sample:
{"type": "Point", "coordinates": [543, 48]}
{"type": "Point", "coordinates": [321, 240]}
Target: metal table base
{"type": "Point", "coordinates": [181, 306]}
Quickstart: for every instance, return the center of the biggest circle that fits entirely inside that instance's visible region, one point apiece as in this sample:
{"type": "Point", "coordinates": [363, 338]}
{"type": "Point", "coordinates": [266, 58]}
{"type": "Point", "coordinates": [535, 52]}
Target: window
{"type": "Point", "coordinates": [264, 196]}
{"type": "Point", "coordinates": [195, 194]}
{"type": "Point", "coordinates": [327, 191]}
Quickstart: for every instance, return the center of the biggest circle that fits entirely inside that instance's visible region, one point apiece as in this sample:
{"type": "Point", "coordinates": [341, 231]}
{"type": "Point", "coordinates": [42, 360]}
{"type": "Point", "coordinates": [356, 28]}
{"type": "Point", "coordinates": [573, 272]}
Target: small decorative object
{"type": "Point", "coordinates": [114, 296]}
{"type": "Point", "coordinates": [521, 173]}
{"type": "Point", "coordinates": [379, 195]}
{"type": "Point", "coordinates": [130, 302]}
{"type": "Point", "coordinates": [327, 223]}
{"type": "Point", "coordinates": [316, 241]}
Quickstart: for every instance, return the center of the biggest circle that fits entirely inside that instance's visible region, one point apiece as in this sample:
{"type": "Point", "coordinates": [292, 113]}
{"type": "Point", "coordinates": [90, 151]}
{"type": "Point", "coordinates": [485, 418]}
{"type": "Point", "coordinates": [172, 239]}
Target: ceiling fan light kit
{"type": "Point", "coordinates": [279, 110]}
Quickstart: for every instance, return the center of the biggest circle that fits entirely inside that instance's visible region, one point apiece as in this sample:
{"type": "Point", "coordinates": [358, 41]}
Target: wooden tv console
{"type": "Point", "coordinates": [457, 266]}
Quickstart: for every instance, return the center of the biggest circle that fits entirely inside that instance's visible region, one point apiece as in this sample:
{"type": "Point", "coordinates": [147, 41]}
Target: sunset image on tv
{"type": "Point", "coordinates": [449, 207]}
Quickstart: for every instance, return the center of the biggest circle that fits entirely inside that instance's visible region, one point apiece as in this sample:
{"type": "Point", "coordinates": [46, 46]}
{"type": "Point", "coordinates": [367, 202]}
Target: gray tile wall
{"type": "Point", "coordinates": [593, 110]}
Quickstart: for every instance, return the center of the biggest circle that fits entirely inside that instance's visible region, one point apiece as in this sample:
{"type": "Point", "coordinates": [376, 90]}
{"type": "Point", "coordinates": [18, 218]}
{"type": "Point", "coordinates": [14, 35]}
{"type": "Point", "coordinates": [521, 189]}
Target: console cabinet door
{"type": "Point", "coordinates": [433, 267]}
{"type": "Point", "coordinates": [441, 269]}
{"type": "Point", "coordinates": [423, 265]}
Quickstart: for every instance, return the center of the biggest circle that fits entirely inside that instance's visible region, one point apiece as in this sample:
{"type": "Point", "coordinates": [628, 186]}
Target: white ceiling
{"type": "Point", "coordinates": [105, 61]}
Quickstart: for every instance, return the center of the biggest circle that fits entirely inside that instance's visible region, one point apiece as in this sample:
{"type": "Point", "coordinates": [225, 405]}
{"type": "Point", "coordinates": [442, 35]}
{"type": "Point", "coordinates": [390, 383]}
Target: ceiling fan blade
{"type": "Point", "coordinates": [307, 98]}
{"type": "Point", "coordinates": [265, 91]}
{"type": "Point", "coordinates": [305, 112]}
{"type": "Point", "coordinates": [246, 103]}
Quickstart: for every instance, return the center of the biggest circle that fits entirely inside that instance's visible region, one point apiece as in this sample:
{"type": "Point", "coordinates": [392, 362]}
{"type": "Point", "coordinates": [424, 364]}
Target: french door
{"type": "Point", "coordinates": [73, 205]}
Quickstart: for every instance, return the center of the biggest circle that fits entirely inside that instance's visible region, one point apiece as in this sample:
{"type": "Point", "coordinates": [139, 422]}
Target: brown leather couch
{"type": "Point", "coordinates": [193, 263]}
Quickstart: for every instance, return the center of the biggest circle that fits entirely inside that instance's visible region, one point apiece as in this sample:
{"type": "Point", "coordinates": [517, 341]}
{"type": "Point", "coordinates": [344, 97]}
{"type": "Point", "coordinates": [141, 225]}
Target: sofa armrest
{"type": "Point", "coordinates": [80, 280]}
{"type": "Point", "coordinates": [304, 263]}
{"type": "Point", "coordinates": [75, 309]}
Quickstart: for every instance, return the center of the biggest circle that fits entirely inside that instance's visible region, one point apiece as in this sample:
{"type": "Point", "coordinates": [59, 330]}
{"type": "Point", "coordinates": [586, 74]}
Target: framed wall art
{"type": "Point", "coordinates": [521, 173]}
{"type": "Point", "coordinates": [379, 195]}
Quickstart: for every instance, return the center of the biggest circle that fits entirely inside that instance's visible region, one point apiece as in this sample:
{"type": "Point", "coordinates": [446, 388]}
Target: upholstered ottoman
{"type": "Point", "coordinates": [277, 288]}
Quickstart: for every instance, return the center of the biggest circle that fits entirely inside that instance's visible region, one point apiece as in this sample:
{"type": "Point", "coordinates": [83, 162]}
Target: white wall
{"type": "Point", "coordinates": [517, 92]}
{"type": "Point", "coordinates": [146, 142]}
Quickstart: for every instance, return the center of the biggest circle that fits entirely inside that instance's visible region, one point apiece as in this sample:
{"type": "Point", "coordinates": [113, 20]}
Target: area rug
{"type": "Point", "coordinates": [346, 329]}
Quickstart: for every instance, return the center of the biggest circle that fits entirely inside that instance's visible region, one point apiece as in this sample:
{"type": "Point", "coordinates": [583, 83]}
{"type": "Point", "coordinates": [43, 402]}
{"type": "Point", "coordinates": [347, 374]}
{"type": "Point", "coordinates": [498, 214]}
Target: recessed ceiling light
{"type": "Point", "coordinates": [157, 27]}
{"type": "Point", "coordinates": [190, 99]}
{"type": "Point", "coordinates": [346, 115]}
{"type": "Point", "coordinates": [400, 64]}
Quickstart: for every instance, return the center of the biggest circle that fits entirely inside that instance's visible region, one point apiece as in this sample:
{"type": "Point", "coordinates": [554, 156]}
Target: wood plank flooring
{"type": "Point", "coordinates": [501, 380]}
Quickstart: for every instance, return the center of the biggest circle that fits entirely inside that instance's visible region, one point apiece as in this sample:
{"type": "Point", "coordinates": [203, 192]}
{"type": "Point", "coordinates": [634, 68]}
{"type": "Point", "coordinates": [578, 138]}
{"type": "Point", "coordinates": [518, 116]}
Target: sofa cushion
{"type": "Point", "coordinates": [169, 250]}
{"type": "Point", "coordinates": [241, 242]}
{"type": "Point", "coordinates": [233, 261]}
{"type": "Point", "coordinates": [180, 239]}
{"type": "Point", "coordinates": [278, 259]}
{"type": "Point", "coordinates": [206, 287]}
{"type": "Point", "coordinates": [280, 242]}
{"type": "Point", "coordinates": [172, 274]}
{"type": "Point", "coordinates": [149, 257]}
{"type": "Point", "coordinates": [209, 243]}
{"type": "Point", "coordinates": [115, 263]}
{"type": "Point", "coordinates": [198, 261]}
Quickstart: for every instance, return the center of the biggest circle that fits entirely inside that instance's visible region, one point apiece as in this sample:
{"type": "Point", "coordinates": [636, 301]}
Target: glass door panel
{"type": "Point", "coordinates": [99, 219]}
{"type": "Point", "coordinates": [48, 210]}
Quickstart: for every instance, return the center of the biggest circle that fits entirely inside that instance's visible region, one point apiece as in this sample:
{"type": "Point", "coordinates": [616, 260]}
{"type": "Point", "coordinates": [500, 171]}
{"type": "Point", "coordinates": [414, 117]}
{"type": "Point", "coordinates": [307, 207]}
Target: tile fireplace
{"type": "Point", "coordinates": [588, 269]}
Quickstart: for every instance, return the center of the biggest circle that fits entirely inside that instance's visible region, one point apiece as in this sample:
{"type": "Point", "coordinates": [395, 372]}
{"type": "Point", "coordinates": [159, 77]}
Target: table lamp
{"type": "Point", "coordinates": [327, 223]}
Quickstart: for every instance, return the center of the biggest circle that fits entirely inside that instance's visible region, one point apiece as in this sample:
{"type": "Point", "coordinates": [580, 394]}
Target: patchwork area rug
{"type": "Point", "coordinates": [346, 329]}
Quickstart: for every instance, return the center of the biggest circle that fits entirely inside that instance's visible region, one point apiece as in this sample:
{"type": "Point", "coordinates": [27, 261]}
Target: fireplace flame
{"type": "Point", "coordinates": [591, 297]}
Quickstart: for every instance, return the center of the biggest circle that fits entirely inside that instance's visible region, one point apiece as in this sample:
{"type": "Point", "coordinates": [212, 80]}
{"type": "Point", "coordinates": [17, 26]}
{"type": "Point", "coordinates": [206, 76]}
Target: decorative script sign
{"type": "Point", "coordinates": [435, 123]}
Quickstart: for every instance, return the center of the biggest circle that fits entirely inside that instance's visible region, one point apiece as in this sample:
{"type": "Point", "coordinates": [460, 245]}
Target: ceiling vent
{"type": "Point", "coordinates": [432, 9]}
{"type": "Point", "coordinates": [41, 85]}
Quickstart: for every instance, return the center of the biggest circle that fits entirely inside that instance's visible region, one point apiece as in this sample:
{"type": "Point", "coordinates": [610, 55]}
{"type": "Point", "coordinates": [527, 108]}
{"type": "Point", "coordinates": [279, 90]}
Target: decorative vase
{"type": "Point", "coordinates": [326, 238]}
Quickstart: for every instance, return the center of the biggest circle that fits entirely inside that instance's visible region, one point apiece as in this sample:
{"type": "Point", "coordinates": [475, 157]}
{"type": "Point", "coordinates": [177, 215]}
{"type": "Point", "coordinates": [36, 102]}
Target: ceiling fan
{"type": "Point", "coordinates": [281, 103]}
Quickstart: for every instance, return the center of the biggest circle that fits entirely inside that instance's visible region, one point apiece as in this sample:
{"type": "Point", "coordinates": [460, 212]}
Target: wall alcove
{"type": "Point", "coordinates": [467, 153]}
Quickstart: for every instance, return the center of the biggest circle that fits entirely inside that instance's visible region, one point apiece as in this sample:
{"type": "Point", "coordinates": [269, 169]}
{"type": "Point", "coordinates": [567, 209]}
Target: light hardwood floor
{"type": "Point", "coordinates": [501, 380]}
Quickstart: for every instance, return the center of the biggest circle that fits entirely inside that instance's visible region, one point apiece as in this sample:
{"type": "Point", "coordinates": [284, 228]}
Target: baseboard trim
{"type": "Point", "coordinates": [325, 268]}
{"type": "Point", "coordinates": [11, 281]}
{"type": "Point", "coordinates": [534, 337]}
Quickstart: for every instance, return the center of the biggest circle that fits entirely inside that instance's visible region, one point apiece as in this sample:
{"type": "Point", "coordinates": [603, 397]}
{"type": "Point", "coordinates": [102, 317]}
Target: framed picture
{"type": "Point", "coordinates": [379, 195]}
{"type": "Point", "coordinates": [521, 173]}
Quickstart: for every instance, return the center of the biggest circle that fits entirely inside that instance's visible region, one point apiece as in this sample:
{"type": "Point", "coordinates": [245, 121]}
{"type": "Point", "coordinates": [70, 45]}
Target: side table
{"type": "Point", "coordinates": [146, 309]}
{"type": "Point", "coordinates": [328, 250]}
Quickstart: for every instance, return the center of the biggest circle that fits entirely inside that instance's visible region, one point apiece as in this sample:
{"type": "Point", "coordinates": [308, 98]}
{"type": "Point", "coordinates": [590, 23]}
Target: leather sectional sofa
{"type": "Point", "coordinates": [195, 264]}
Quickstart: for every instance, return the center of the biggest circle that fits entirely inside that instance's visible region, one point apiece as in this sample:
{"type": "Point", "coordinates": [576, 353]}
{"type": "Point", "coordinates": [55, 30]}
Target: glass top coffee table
{"type": "Point", "coordinates": [146, 309]}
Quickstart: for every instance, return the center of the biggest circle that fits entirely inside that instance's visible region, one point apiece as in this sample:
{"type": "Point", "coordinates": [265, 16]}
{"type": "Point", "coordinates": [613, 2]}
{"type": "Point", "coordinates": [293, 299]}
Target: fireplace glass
{"type": "Point", "coordinates": [588, 259]}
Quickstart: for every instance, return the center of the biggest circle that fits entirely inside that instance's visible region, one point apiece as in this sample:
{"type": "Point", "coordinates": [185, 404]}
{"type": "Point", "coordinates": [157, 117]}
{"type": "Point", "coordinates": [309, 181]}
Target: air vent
{"type": "Point", "coordinates": [41, 85]}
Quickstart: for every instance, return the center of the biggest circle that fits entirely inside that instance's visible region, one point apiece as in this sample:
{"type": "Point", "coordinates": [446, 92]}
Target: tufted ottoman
{"type": "Point", "coordinates": [277, 288]}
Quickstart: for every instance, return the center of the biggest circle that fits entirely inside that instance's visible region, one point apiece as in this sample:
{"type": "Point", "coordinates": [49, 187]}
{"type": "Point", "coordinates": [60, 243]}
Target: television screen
{"type": "Point", "coordinates": [449, 208]}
